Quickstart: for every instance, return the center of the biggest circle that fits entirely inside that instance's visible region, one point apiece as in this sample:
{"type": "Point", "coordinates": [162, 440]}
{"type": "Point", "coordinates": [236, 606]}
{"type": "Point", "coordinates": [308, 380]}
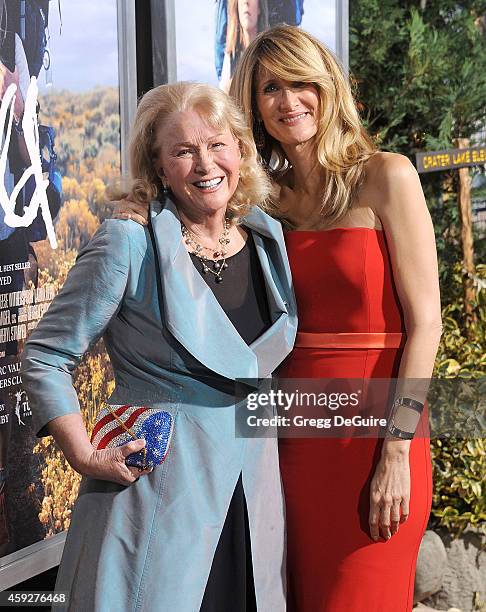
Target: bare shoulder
{"type": "Point", "coordinates": [384, 167]}
{"type": "Point", "coordinates": [390, 181]}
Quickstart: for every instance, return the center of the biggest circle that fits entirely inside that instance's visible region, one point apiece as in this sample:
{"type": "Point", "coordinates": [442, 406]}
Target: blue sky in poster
{"type": "Point", "coordinates": [85, 53]}
{"type": "Point", "coordinates": [195, 34]}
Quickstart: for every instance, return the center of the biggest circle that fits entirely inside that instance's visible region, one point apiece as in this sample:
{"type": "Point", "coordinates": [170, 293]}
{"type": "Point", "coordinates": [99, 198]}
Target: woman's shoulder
{"type": "Point", "coordinates": [386, 175]}
{"type": "Point", "coordinates": [120, 237]}
{"type": "Point", "coordinates": [385, 166]}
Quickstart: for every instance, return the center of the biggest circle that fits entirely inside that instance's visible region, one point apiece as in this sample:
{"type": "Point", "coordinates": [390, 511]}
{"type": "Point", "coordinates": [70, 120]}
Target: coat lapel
{"type": "Point", "coordinates": [195, 318]}
{"type": "Point", "coordinates": [277, 341]}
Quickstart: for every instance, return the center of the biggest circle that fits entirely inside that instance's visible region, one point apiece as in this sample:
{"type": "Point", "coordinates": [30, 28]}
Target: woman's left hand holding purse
{"type": "Point", "coordinates": [107, 464]}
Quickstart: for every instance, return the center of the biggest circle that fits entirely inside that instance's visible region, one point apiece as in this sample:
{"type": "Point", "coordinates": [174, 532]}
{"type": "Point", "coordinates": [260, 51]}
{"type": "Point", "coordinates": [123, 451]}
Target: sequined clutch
{"type": "Point", "coordinates": [117, 425]}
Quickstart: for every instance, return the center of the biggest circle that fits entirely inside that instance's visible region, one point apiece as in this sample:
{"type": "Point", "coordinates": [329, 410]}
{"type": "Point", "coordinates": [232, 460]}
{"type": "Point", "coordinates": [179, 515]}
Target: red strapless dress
{"type": "Point", "coordinates": [343, 283]}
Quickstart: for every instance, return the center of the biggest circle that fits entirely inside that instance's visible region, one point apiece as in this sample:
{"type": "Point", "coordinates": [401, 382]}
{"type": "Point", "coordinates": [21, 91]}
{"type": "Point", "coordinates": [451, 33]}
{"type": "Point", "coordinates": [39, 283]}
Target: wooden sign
{"type": "Point", "coordinates": [433, 161]}
{"type": "Point", "coordinates": [459, 159]}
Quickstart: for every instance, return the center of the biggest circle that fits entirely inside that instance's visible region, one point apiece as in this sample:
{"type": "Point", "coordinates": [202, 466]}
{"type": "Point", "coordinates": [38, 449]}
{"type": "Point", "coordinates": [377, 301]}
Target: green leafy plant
{"type": "Point", "coordinates": [459, 461]}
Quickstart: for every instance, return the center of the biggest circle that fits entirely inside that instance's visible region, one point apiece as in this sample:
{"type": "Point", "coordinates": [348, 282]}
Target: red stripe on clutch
{"type": "Point", "coordinates": [107, 418]}
{"type": "Point", "coordinates": [105, 440]}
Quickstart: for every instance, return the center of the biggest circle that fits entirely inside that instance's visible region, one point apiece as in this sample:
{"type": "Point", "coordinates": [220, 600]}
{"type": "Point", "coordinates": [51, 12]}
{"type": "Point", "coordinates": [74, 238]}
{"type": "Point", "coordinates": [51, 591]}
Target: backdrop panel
{"type": "Point", "coordinates": [60, 148]}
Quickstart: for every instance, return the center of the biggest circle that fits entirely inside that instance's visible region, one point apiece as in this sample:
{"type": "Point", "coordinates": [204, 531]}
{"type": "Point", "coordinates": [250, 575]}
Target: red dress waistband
{"type": "Point", "coordinates": [350, 340]}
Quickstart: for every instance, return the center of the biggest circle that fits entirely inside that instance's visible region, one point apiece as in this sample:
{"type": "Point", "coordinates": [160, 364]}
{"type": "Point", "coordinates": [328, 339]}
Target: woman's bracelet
{"type": "Point", "coordinates": [404, 417]}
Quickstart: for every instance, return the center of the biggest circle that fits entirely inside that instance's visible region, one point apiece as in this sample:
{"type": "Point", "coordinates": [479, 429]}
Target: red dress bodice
{"type": "Point", "coordinates": [343, 281]}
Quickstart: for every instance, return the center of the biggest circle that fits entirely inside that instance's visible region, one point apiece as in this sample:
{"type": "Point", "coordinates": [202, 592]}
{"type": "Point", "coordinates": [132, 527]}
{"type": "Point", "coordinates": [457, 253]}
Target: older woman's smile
{"type": "Point", "coordinates": [210, 184]}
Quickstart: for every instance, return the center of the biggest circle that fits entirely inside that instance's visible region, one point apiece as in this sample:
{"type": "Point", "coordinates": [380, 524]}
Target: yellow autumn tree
{"type": "Point", "coordinates": [76, 224]}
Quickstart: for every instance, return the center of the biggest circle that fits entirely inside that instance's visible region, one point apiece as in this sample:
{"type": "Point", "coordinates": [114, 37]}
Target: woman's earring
{"type": "Point", "coordinates": [259, 135]}
{"type": "Point", "coordinates": [165, 185]}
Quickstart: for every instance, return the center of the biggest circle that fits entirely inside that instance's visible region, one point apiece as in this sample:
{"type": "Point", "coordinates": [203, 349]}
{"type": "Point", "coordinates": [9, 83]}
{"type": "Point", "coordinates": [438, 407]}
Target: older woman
{"type": "Point", "coordinates": [186, 306]}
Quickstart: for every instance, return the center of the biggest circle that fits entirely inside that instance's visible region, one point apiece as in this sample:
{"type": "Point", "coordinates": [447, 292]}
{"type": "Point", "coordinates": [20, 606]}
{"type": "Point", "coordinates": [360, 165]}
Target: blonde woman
{"type": "Point", "coordinates": [361, 248]}
{"type": "Point", "coordinates": [363, 259]}
{"type": "Point", "coordinates": [186, 306]}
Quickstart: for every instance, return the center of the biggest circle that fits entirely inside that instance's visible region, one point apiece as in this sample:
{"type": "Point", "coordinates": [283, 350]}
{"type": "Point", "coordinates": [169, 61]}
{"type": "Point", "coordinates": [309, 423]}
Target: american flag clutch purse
{"type": "Point", "coordinates": [117, 425]}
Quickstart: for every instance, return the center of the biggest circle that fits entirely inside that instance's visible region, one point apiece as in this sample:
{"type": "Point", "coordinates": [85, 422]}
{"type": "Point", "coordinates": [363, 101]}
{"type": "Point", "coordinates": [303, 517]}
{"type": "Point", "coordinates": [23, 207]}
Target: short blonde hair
{"type": "Point", "coordinates": [342, 144]}
{"type": "Point", "coordinates": [217, 108]}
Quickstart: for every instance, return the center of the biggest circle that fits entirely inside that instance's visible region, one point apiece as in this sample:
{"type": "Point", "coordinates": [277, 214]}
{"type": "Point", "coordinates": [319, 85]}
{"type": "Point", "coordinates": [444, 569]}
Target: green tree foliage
{"type": "Point", "coordinates": [421, 72]}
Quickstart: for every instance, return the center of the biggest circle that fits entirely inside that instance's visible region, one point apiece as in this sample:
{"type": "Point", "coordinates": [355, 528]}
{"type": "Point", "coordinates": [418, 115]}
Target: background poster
{"type": "Point", "coordinates": [218, 30]}
{"type": "Point", "coordinates": [71, 48]}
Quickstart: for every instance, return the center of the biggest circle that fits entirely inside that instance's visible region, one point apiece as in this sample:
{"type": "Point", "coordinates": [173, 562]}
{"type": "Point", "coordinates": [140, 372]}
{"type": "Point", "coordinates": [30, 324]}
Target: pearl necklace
{"type": "Point", "coordinates": [197, 250]}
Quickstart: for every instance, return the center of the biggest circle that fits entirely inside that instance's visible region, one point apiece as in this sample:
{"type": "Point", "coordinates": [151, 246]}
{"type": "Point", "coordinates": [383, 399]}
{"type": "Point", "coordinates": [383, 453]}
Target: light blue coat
{"type": "Point", "coordinates": [149, 546]}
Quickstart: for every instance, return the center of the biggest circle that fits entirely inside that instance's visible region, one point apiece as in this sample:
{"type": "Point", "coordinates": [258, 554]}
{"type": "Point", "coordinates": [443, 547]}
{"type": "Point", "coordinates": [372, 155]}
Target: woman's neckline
{"type": "Point", "coordinates": [333, 229]}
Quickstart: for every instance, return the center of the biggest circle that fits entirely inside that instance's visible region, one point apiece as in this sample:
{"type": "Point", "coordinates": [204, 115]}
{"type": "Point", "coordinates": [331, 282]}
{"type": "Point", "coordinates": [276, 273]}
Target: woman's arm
{"type": "Point", "coordinates": [411, 243]}
{"type": "Point", "coordinates": [76, 319]}
{"type": "Point", "coordinates": [401, 207]}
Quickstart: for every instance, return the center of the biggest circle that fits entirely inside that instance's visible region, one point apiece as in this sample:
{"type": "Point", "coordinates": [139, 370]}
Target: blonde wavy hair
{"type": "Point", "coordinates": [342, 144]}
{"type": "Point", "coordinates": [217, 108]}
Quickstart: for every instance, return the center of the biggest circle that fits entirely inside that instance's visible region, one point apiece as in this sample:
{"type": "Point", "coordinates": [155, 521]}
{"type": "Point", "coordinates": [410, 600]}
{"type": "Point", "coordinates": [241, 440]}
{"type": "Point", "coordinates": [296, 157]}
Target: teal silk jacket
{"type": "Point", "coordinates": [149, 546]}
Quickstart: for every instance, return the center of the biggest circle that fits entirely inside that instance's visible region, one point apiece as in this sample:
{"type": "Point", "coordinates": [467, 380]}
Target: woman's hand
{"type": "Point", "coordinates": [390, 490]}
{"type": "Point", "coordinates": [72, 438]}
{"type": "Point", "coordinates": [128, 209]}
{"type": "Point", "coordinates": [109, 464]}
